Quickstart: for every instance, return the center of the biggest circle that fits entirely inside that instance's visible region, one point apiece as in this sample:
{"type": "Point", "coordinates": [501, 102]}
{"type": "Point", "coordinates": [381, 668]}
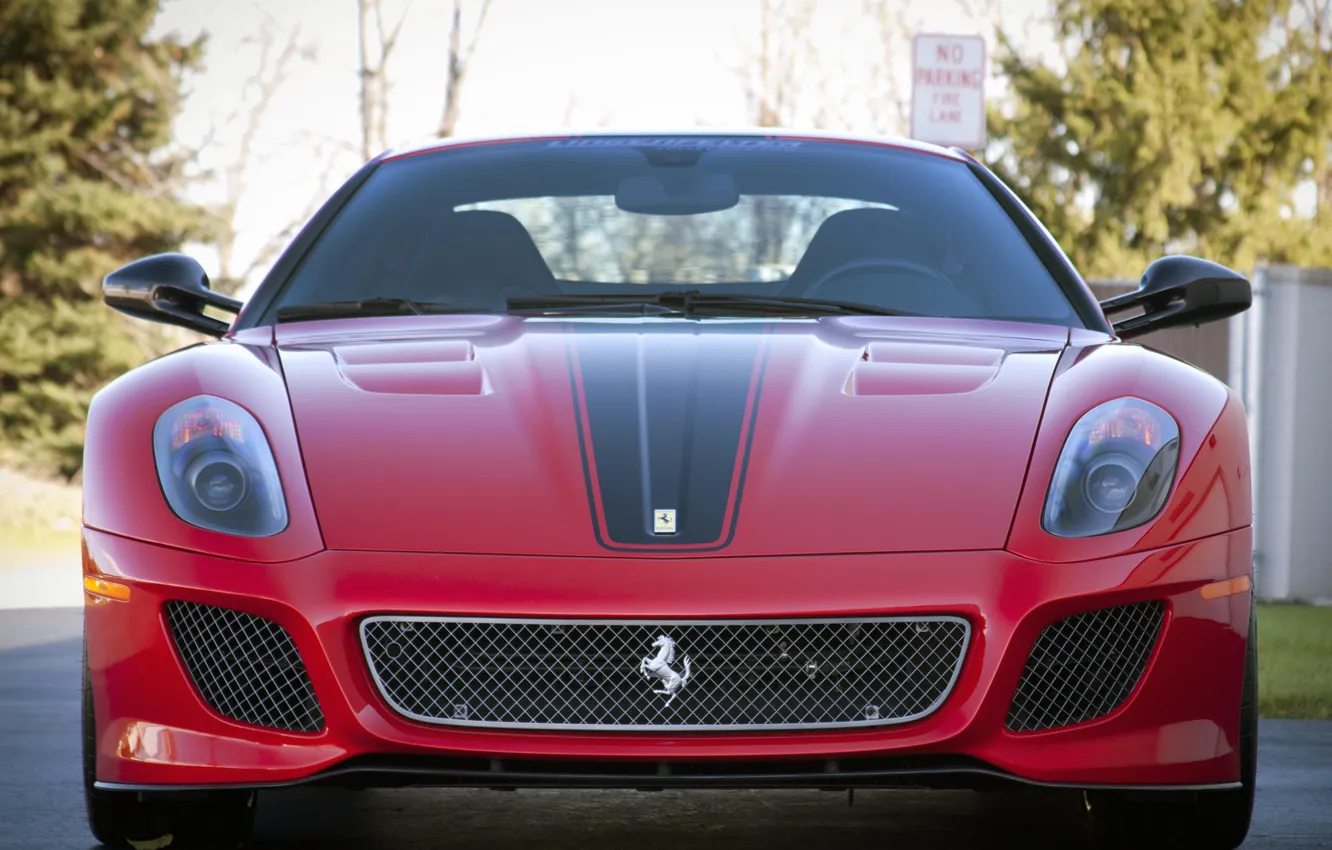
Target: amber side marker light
{"type": "Point", "coordinates": [1229, 587]}
{"type": "Point", "coordinates": [106, 589]}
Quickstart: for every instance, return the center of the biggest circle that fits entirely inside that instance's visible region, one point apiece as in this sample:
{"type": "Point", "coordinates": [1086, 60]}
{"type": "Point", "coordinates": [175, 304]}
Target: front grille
{"type": "Point", "coordinates": [580, 674]}
{"type": "Point", "coordinates": [1084, 667]}
{"type": "Point", "coordinates": [245, 667]}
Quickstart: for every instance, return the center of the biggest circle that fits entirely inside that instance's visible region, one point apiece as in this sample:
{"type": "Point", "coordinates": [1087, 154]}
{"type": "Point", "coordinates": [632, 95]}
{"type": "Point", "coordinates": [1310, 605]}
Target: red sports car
{"type": "Point", "coordinates": [661, 461]}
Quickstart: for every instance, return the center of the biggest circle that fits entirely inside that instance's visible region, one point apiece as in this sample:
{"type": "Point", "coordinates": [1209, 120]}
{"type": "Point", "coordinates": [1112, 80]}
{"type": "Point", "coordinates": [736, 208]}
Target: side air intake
{"type": "Point", "coordinates": [245, 667]}
{"type": "Point", "coordinates": [1085, 667]}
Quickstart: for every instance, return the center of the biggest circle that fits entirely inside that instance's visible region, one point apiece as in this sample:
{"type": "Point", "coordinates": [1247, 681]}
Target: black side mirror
{"type": "Point", "coordinates": [168, 288]}
{"type": "Point", "coordinates": [1181, 290]}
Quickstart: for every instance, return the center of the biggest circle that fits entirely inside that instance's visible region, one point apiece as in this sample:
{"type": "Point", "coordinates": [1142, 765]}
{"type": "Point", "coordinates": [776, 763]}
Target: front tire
{"type": "Point", "coordinates": [1208, 820]}
{"type": "Point", "coordinates": [121, 819]}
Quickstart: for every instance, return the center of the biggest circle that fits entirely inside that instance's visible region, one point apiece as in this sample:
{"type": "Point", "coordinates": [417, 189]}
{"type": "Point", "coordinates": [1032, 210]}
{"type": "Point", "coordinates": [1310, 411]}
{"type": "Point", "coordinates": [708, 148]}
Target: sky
{"type": "Point", "coordinates": [539, 65]}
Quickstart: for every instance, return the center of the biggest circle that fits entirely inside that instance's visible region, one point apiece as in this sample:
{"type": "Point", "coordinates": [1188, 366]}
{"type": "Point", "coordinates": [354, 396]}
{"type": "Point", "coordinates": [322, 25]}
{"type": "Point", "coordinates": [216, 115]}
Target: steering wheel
{"type": "Point", "coordinates": [873, 263]}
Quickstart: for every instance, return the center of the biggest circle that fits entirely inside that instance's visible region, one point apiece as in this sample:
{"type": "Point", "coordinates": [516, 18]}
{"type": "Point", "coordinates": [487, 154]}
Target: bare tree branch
{"type": "Point", "coordinates": [325, 154]}
{"type": "Point", "coordinates": [389, 41]}
{"type": "Point", "coordinates": [782, 59]}
{"type": "Point", "coordinates": [458, 61]}
{"type": "Point", "coordinates": [375, 83]}
{"type": "Point", "coordinates": [386, 45]}
{"type": "Point", "coordinates": [453, 73]}
{"type": "Point", "coordinates": [268, 79]}
{"type": "Point", "coordinates": [367, 76]}
{"type": "Point", "coordinates": [573, 106]}
{"type": "Point", "coordinates": [480, 25]}
{"type": "Point", "coordinates": [890, 90]}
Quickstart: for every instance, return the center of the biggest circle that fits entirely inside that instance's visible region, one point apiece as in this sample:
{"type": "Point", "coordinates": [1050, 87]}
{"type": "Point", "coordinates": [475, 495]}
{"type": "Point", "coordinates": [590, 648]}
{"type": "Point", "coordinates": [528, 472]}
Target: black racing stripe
{"type": "Point", "coordinates": [666, 412]}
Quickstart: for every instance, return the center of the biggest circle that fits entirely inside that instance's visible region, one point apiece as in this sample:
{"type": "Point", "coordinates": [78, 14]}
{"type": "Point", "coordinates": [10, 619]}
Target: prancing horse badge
{"type": "Point", "coordinates": [663, 522]}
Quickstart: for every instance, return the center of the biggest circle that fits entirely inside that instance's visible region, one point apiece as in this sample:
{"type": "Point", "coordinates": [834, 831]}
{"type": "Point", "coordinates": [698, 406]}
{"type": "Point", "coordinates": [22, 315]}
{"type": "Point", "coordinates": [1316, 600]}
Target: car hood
{"type": "Point", "coordinates": [666, 437]}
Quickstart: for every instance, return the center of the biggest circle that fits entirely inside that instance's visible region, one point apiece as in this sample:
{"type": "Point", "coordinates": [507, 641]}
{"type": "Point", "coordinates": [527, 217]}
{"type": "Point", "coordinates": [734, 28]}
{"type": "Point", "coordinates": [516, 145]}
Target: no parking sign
{"type": "Point", "coordinates": [948, 90]}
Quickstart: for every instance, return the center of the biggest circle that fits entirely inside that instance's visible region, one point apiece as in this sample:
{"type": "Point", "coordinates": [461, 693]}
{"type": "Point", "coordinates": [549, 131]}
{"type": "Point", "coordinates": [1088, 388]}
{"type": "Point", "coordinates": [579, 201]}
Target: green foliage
{"type": "Point", "coordinates": [1295, 661]}
{"type": "Point", "coordinates": [1175, 125]}
{"type": "Point", "coordinates": [86, 104]}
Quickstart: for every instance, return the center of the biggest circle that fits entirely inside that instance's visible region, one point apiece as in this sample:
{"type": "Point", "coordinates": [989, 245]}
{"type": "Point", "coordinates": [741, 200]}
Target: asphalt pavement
{"type": "Point", "coordinates": [41, 805]}
{"type": "Point", "coordinates": [42, 580]}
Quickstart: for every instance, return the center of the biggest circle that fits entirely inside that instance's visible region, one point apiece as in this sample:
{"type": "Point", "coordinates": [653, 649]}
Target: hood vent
{"type": "Point", "coordinates": [416, 367]}
{"type": "Point", "coordinates": [899, 368]}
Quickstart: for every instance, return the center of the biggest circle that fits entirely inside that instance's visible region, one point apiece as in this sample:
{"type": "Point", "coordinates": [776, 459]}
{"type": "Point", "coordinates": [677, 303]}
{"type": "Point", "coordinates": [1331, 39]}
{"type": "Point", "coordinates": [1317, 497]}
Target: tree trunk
{"type": "Point", "coordinates": [453, 81]}
{"type": "Point", "coordinates": [367, 80]}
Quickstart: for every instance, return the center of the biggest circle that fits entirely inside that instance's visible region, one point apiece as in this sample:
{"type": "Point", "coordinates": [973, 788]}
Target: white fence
{"type": "Point", "coordinates": [1281, 364]}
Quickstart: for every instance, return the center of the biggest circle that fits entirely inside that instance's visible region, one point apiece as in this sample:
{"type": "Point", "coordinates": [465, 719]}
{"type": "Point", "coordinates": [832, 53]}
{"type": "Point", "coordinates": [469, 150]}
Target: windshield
{"type": "Point", "coordinates": [481, 228]}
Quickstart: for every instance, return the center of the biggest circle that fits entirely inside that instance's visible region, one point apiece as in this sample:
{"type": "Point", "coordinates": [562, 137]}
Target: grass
{"type": "Point", "coordinates": [22, 548]}
{"type": "Point", "coordinates": [1295, 661]}
{"type": "Point", "coordinates": [36, 505]}
{"type": "Point", "coordinates": [39, 520]}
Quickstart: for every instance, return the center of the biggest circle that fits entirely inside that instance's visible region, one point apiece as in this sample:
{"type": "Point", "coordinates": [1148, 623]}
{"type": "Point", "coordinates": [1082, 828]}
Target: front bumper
{"type": "Point", "coordinates": [1179, 728]}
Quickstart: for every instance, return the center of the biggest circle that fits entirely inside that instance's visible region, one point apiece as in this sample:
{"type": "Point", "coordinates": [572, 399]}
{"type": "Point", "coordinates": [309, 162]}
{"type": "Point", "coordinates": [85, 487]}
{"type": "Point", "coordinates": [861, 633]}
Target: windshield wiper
{"type": "Point", "coordinates": [693, 302]}
{"type": "Point", "coordinates": [382, 306]}
{"type": "Point", "coordinates": [785, 304]}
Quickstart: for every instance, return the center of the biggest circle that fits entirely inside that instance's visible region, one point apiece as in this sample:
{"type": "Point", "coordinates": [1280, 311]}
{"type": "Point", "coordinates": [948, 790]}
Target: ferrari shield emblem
{"type": "Point", "coordinates": [663, 522]}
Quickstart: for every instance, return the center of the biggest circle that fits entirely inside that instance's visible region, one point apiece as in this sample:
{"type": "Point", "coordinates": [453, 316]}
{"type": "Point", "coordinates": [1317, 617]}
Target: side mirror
{"type": "Point", "coordinates": [168, 288]}
{"type": "Point", "coordinates": [1180, 290]}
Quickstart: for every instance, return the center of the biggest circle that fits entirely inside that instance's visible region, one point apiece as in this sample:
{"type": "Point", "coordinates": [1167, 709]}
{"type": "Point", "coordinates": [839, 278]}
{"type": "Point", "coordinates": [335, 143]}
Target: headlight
{"type": "Point", "coordinates": [1115, 471]}
{"type": "Point", "coordinates": [217, 469]}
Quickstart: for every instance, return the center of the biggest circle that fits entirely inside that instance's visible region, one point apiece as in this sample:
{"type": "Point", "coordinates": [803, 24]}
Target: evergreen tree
{"type": "Point", "coordinates": [1173, 125]}
{"type": "Point", "coordinates": [86, 104]}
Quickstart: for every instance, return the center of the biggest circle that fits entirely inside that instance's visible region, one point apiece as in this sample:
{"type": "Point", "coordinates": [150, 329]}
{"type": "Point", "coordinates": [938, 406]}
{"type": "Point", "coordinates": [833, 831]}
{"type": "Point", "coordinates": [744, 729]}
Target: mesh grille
{"type": "Point", "coordinates": [1084, 667]}
{"type": "Point", "coordinates": [245, 667]}
{"type": "Point", "coordinates": [598, 674]}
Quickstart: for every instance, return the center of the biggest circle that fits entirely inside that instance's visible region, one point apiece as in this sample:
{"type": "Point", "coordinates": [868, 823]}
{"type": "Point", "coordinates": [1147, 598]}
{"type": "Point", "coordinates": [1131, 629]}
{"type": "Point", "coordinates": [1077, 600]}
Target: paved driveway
{"type": "Point", "coordinates": [45, 580]}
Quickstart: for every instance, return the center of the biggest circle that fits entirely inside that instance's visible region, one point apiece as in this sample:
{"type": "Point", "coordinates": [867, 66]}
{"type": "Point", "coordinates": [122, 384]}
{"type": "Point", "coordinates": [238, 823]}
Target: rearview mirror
{"type": "Point", "coordinates": [168, 288]}
{"type": "Point", "coordinates": [682, 193]}
{"type": "Point", "coordinates": [1180, 290]}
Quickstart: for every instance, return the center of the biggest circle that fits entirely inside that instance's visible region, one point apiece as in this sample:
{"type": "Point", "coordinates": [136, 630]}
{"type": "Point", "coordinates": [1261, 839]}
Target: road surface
{"type": "Point", "coordinates": [41, 806]}
{"type": "Point", "coordinates": [31, 579]}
